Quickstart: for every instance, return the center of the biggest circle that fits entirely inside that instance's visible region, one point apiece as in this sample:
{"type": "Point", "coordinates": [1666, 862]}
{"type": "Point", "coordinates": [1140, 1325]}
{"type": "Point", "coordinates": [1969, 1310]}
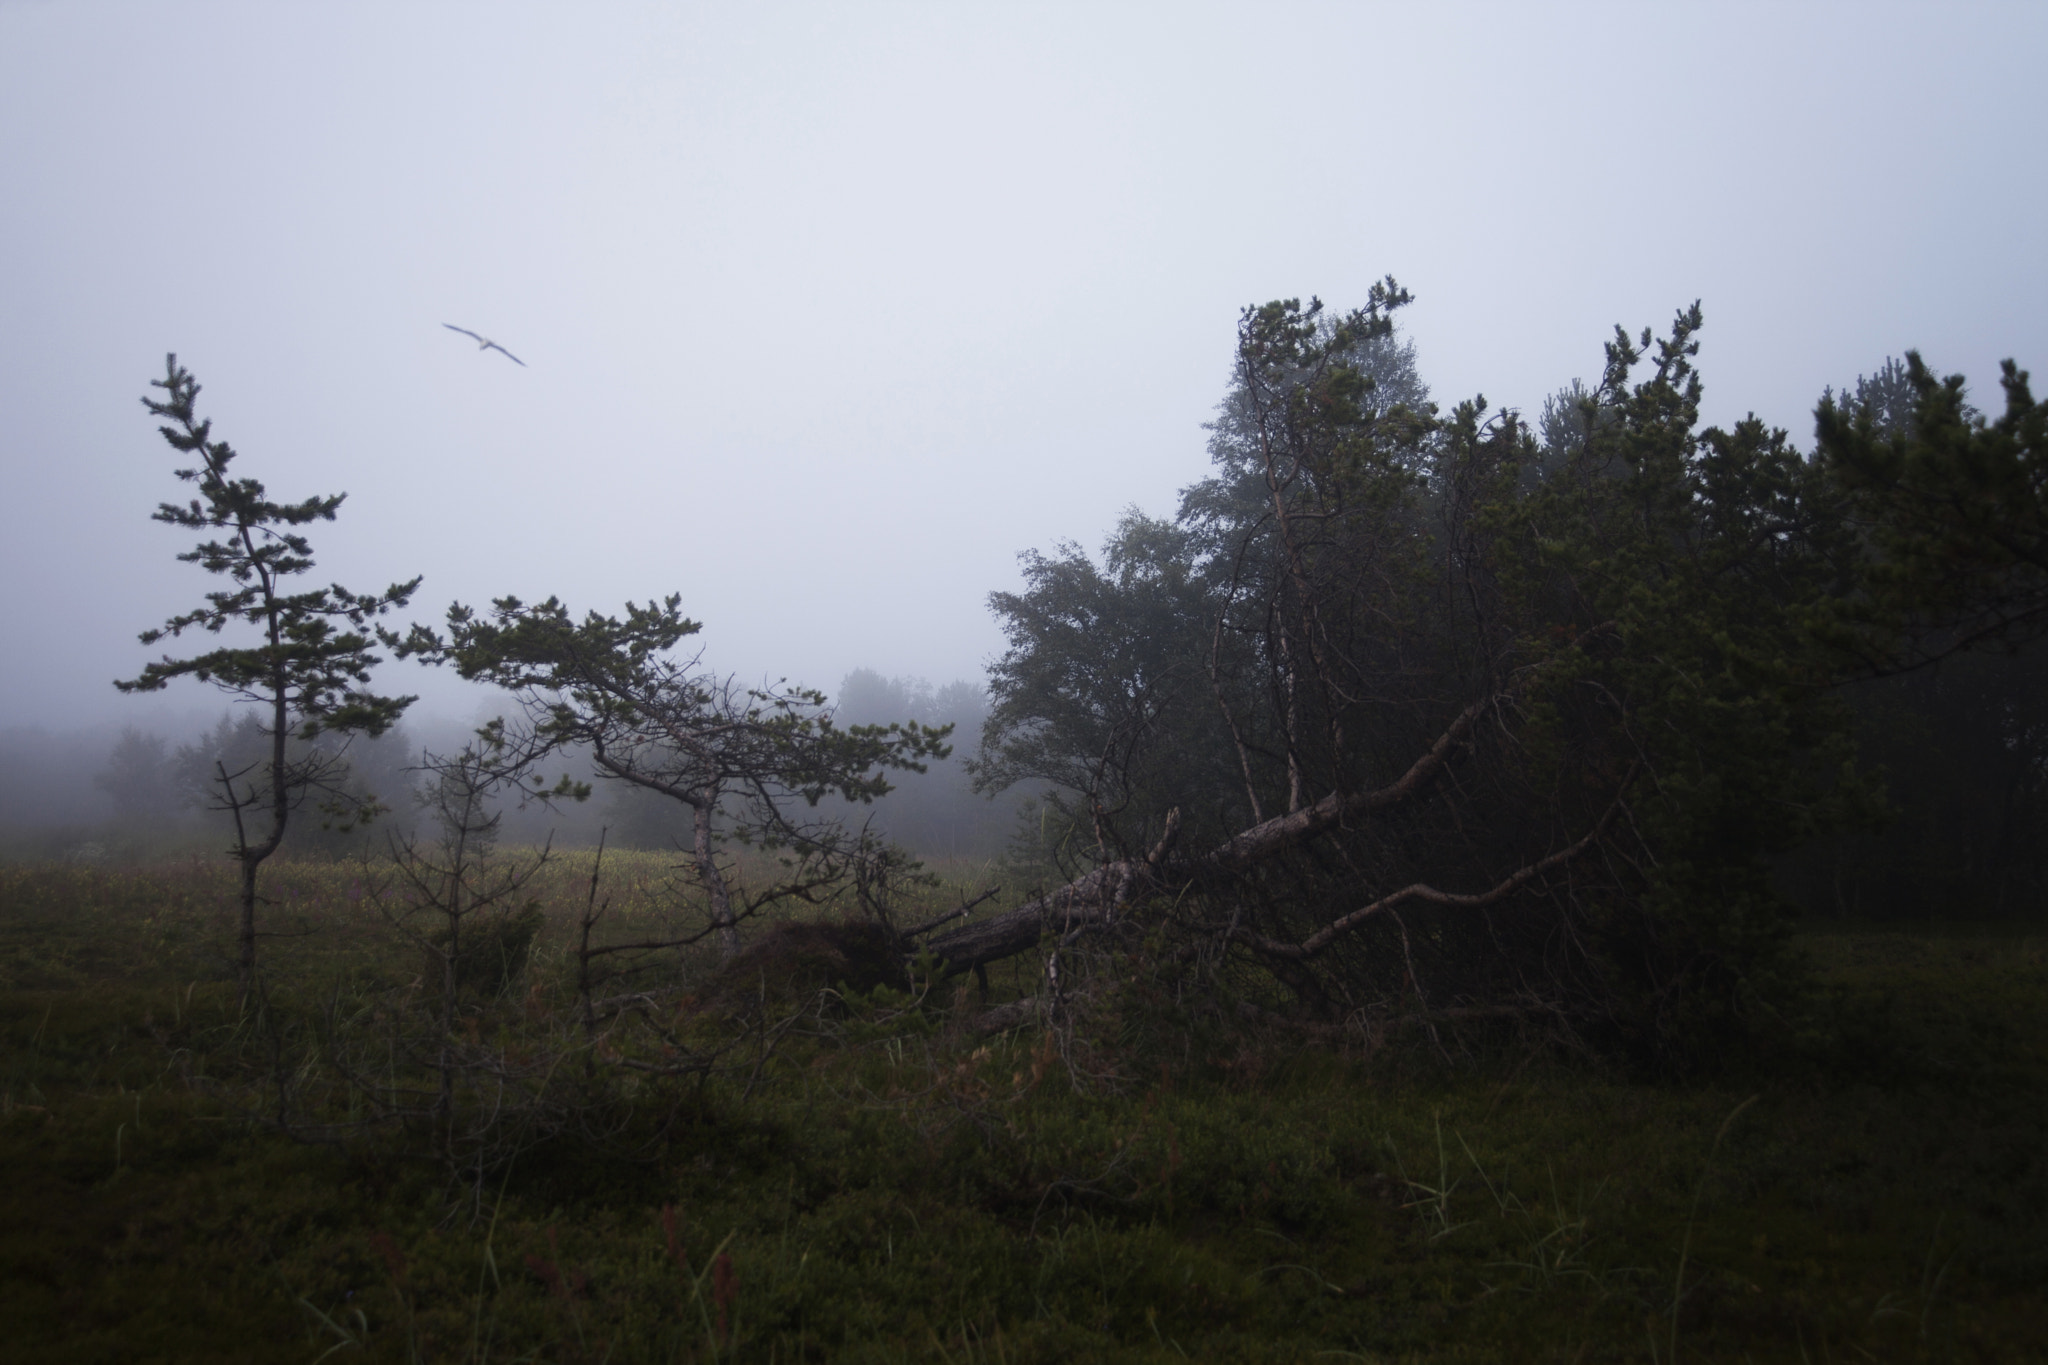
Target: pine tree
{"type": "Point", "coordinates": [307, 670]}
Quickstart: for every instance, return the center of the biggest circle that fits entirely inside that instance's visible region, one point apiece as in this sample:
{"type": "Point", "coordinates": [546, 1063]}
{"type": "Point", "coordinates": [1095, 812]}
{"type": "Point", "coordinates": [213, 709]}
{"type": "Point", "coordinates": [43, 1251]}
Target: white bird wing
{"type": "Point", "coordinates": [486, 343]}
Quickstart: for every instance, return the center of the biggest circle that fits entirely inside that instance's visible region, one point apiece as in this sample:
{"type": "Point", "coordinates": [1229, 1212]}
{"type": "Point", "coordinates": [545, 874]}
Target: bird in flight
{"type": "Point", "coordinates": [486, 344]}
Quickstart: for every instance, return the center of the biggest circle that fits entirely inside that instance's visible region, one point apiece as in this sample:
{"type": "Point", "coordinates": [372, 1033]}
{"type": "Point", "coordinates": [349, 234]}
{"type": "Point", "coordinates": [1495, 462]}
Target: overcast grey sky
{"type": "Point", "coordinates": [830, 310]}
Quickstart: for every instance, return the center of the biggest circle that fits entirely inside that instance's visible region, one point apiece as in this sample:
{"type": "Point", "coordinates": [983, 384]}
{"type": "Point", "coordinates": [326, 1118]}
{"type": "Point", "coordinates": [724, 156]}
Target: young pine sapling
{"type": "Point", "coordinates": [309, 666]}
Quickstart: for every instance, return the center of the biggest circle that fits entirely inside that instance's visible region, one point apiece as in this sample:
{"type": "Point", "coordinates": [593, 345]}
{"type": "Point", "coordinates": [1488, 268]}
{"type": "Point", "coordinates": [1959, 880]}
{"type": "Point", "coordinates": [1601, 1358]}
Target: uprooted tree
{"type": "Point", "coordinates": [745, 762]}
{"type": "Point", "coordinates": [1415, 712]}
{"type": "Point", "coordinates": [308, 670]}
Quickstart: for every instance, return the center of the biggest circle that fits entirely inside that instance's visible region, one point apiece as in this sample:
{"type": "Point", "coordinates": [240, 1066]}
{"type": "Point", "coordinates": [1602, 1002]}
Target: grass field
{"type": "Point", "coordinates": [881, 1182]}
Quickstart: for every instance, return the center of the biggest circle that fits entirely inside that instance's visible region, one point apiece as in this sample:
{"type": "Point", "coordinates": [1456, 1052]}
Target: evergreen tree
{"type": "Point", "coordinates": [1944, 620]}
{"type": "Point", "coordinates": [1440, 713]}
{"type": "Point", "coordinates": [1952, 508]}
{"type": "Point", "coordinates": [740, 759]}
{"type": "Point", "coordinates": [308, 668]}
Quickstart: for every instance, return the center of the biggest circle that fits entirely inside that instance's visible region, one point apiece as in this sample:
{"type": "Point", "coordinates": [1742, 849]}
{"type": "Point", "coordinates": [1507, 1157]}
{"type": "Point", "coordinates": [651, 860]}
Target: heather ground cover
{"type": "Point", "coordinates": [875, 1178]}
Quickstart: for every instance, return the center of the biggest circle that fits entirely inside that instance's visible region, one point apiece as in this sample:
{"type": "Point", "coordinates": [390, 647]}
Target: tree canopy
{"type": "Point", "coordinates": [1410, 708]}
{"type": "Point", "coordinates": [749, 755]}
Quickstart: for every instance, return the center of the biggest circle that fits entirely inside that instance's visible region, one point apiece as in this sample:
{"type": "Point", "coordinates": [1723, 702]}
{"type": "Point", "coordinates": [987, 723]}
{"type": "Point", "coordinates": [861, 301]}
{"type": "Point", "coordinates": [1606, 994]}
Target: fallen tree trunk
{"type": "Point", "coordinates": [1422, 891]}
{"type": "Point", "coordinates": [1098, 896]}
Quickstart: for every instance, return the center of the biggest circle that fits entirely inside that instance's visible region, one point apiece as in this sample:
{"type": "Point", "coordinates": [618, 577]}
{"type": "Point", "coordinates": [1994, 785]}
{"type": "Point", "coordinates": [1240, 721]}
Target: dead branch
{"type": "Point", "coordinates": [1095, 895]}
{"type": "Point", "coordinates": [965, 908]}
{"type": "Point", "coordinates": [1421, 891]}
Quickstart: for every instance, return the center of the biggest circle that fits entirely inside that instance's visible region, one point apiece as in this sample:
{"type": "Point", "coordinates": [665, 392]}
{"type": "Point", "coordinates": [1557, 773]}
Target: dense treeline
{"type": "Point", "coordinates": [1961, 750]}
{"type": "Point", "coordinates": [1414, 709]}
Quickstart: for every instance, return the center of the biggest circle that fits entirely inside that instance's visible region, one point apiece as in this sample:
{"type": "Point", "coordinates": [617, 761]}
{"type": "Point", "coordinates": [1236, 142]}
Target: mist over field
{"type": "Point", "coordinates": [824, 315]}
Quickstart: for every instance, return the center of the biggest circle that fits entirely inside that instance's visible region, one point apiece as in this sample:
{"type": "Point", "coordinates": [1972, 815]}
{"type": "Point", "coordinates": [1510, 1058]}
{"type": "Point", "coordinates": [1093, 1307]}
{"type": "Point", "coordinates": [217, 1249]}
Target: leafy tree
{"type": "Point", "coordinates": [746, 755]}
{"type": "Point", "coordinates": [309, 667]}
{"type": "Point", "coordinates": [1095, 700]}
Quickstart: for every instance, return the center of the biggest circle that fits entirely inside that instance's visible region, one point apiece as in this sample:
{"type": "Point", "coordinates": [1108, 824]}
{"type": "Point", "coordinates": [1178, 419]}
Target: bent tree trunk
{"type": "Point", "coordinates": [250, 853]}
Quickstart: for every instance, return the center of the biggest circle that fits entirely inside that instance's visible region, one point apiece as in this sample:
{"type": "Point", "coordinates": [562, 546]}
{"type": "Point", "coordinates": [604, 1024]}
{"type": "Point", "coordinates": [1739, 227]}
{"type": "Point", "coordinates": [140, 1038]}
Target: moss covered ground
{"type": "Point", "coordinates": [898, 1187]}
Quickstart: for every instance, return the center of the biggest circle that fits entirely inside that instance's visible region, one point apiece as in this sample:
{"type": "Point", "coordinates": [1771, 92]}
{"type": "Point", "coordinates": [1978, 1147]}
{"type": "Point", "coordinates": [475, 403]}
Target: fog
{"type": "Point", "coordinates": [826, 313]}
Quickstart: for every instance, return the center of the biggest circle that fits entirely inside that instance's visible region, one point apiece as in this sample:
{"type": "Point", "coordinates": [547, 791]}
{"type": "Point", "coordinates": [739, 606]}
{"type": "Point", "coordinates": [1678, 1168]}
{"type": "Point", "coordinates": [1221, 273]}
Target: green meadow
{"type": "Point", "coordinates": [861, 1170]}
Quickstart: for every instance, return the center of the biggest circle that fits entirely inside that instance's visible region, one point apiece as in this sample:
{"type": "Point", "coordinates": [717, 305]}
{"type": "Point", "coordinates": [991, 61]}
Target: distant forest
{"type": "Point", "coordinates": [119, 792]}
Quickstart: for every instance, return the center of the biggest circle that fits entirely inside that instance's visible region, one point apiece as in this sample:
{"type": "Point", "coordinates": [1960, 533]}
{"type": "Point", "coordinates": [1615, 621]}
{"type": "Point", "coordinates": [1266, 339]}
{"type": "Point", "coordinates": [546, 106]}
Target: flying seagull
{"type": "Point", "coordinates": [486, 344]}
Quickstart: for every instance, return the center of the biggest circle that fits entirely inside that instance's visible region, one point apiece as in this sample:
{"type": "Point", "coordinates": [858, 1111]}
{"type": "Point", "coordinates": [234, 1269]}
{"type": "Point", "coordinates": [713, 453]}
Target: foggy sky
{"type": "Point", "coordinates": [828, 311]}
